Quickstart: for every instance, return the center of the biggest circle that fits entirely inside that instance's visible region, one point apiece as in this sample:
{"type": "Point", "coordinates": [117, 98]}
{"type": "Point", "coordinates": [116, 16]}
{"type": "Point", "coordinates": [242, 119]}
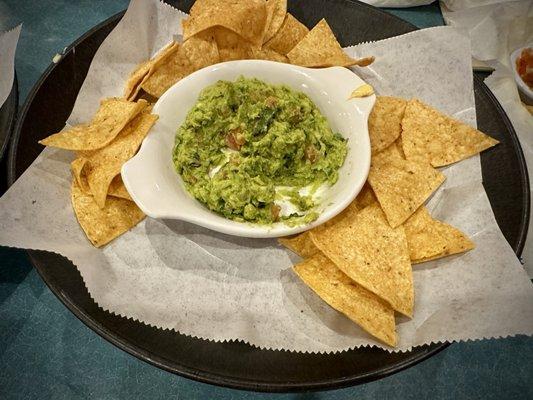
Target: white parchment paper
{"type": "Point", "coordinates": [8, 46]}
{"type": "Point", "coordinates": [175, 275]}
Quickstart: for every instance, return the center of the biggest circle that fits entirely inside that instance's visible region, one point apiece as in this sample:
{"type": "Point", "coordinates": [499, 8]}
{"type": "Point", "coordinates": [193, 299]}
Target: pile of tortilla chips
{"type": "Point", "coordinates": [216, 31]}
{"type": "Point", "coordinates": [102, 205]}
{"type": "Point", "coordinates": [360, 261]}
{"type": "Point", "coordinates": [224, 30]}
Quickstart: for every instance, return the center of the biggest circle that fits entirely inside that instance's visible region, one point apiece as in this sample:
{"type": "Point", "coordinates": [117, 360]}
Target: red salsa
{"type": "Point", "coordinates": [524, 66]}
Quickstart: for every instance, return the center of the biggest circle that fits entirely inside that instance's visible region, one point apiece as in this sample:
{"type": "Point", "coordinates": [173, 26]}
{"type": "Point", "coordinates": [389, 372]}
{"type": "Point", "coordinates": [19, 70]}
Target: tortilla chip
{"type": "Point", "coordinates": [393, 151]}
{"type": "Point", "coordinates": [399, 145]}
{"type": "Point", "coordinates": [105, 164]}
{"type": "Point", "coordinates": [365, 198]}
{"type": "Point", "coordinates": [300, 244]}
{"type": "Point", "coordinates": [167, 72]}
{"type": "Point", "coordinates": [348, 214]}
{"type": "Point", "coordinates": [344, 295]}
{"type": "Point", "coordinates": [144, 70]}
{"type": "Point", "coordinates": [78, 171]}
{"type": "Point", "coordinates": [430, 135]}
{"type": "Point", "coordinates": [103, 225]}
{"type": "Point", "coordinates": [385, 122]}
{"type": "Point", "coordinates": [231, 46]}
{"type": "Point", "coordinates": [117, 189]}
{"type": "Point", "coordinates": [319, 48]}
{"type": "Point", "coordinates": [247, 18]}
{"type": "Point", "coordinates": [364, 90]}
{"type": "Point", "coordinates": [365, 61]}
{"type": "Point", "coordinates": [373, 254]}
{"type": "Point", "coordinates": [275, 15]}
{"type": "Point", "coordinates": [401, 186]}
{"type": "Point", "coordinates": [167, 51]}
{"type": "Point", "coordinates": [202, 50]}
{"type": "Point", "coordinates": [289, 34]}
{"type": "Point", "coordinates": [134, 80]}
{"type": "Point", "coordinates": [114, 113]}
{"type": "Point", "coordinates": [429, 239]}
{"type": "Point", "coordinates": [148, 97]}
{"type": "Point", "coordinates": [268, 54]}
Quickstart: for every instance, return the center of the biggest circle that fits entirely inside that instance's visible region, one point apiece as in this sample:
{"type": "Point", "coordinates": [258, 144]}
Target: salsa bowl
{"type": "Point", "coordinates": [158, 190]}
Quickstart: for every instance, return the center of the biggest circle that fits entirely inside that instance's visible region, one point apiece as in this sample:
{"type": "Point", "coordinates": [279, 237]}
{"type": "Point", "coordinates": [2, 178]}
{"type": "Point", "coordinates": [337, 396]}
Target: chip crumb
{"type": "Point", "coordinates": [364, 90]}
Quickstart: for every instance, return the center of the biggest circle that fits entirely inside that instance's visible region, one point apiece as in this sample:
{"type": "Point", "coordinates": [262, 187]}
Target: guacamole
{"type": "Point", "coordinates": [256, 152]}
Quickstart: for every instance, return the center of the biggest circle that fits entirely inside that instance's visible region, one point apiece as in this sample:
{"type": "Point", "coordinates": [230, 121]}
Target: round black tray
{"type": "Point", "coordinates": [237, 364]}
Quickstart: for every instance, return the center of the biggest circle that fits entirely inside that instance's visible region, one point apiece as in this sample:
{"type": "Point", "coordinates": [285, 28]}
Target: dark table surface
{"type": "Point", "coordinates": [46, 353]}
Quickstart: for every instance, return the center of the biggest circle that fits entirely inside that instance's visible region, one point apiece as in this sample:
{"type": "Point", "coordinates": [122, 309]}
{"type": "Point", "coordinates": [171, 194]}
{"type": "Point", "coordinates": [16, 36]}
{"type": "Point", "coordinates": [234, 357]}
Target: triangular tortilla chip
{"type": "Point", "coordinates": [430, 135]}
{"type": "Point", "coordinates": [103, 225]}
{"type": "Point", "coordinates": [114, 113]}
{"type": "Point", "coordinates": [429, 239]}
{"type": "Point", "coordinates": [319, 48]}
{"type": "Point", "coordinates": [268, 54]}
{"type": "Point", "coordinates": [275, 15]}
{"type": "Point", "coordinates": [78, 171]}
{"type": "Point", "coordinates": [144, 70]}
{"type": "Point", "coordinates": [344, 295]}
{"type": "Point", "coordinates": [385, 122]}
{"type": "Point", "coordinates": [231, 46]}
{"type": "Point", "coordinates": [300, 244]}
{"type": "Point", "coordinates": [166, 73]}
{"type": "Point", "coordinates": [105, 164]}
{"type": "Point", "coordinates": [288, 35]}
{"type": "Point", "coordinates": [131, 88]}
{"type": "Point", "coordinates": [202, 50]}
{"type": "Point", "coordinates": [303, 245]}
{"type": "Point", "coordinates": [117, 189]}
{"type": "Point", "coordinates": [348, 214]}
{"type": "Point", "coordinates": [371, 253]}
{"type": "Point", "coordinates": [365, 198]}
{"type": "Point", "coordinates": [399, 146]}
{"type": "Point", "coordinates": [401, 186]}
{"type": "Point", "coordinates": [247, 18]}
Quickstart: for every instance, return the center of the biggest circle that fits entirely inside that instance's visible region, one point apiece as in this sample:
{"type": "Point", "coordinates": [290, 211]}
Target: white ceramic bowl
{"type": "Point", "coordinates": [158, 190]}
{"type": "Point", "coordinates": [523, 88]}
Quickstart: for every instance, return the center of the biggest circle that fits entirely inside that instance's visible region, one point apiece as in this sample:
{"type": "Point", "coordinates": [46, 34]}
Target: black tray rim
{"type": "Point", "coordinates": [526, 215]}
{"type": "Point", "coordinates": [216, 379]}
{"type": "Point", "coordinates": [10, 107]}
